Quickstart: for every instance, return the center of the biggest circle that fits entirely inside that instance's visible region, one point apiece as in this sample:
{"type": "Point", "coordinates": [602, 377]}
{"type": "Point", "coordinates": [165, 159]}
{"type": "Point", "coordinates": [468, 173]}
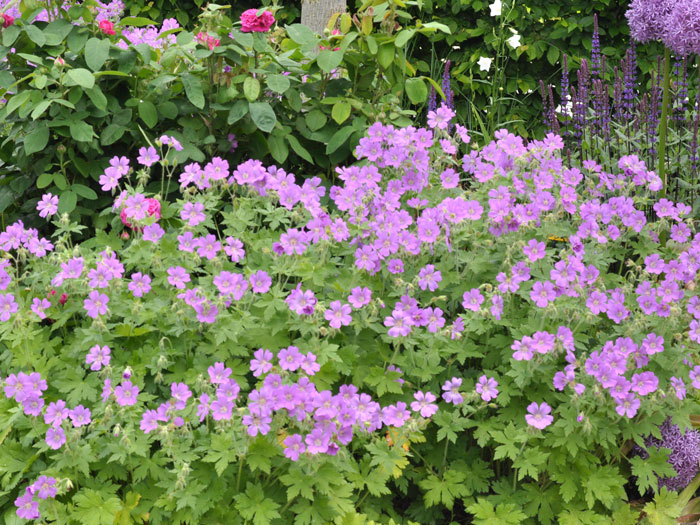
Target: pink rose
{"type": "Point", "coordinates": [107, 27]}
{"type": "Point", "coordinates": [8, 20]}
{"type": "Point", "coordinates": [252, 23]}
{"type": "Point", "coordinates": [207, 40]}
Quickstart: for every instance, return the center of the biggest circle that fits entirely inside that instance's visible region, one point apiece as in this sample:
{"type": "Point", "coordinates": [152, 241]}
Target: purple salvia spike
{"type": "Point", "coordinates": [596, 69]}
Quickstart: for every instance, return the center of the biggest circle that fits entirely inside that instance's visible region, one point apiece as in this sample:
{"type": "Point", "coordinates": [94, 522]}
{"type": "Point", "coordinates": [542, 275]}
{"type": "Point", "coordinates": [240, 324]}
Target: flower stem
{"type": "Point", "coordinates": [663, 123]}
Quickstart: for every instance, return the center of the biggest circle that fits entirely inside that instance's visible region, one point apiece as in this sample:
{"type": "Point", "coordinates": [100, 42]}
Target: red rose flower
{"type": "Point", "coordinates": [252, 23]}
{"type": "Point", "coordinates": [107, 27]}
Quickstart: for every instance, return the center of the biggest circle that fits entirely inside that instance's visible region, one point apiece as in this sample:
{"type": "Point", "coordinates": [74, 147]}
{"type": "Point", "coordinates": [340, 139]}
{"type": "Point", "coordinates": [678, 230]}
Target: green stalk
{"type": "Point", "coordinates": [663, 123]}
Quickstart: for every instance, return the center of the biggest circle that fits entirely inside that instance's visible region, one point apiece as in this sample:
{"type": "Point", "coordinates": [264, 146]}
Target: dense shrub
{"type": "Point", "coordinates": [253, 325]}
{"type": "Point", "coordinates": [75, 97]}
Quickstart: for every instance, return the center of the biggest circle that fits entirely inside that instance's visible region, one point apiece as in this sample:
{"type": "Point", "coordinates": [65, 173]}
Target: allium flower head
{"type": "Point", "coordinates": [681, 32]}
{"type": "Point", "coordinates": [684, 456]}
{"type": "Point", "coordinates": [647, 18]}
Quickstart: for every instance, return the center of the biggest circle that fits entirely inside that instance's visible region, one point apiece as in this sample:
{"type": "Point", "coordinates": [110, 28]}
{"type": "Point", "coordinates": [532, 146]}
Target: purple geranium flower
{"type": "Point", "coordinates": [148, 156]}
{"type": "Point", "coordinates": [262, 363]}
{"type": "Point", "coordinates": [193, 213]}
{"type": "Point", "coordinates": [486, 386]}
{"type": "Point", "coordinates": [126, 394]}
{"type": "Point", "coordinates": [140, 284]}
{"type": "Point", "coordinates": [80, 416]}
{"type": "Point", "coordinates": [424, 404]}
{"type": "Point", "coordinates": [338, 314]}
{"type": "Point", "coordinates": [97, 357]}
{"type": "Point", "coordinates": [48, 205]}
{"type": "Point", "coordinates": [451, 388]}
{"type": "Point", "coordinates": [539, 415]}
{"type": "Point", "coordinates": [96, 304]}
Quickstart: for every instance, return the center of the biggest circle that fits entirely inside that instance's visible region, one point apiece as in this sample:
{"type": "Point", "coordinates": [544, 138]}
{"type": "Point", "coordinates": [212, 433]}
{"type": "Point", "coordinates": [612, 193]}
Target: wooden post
{"type": "Point", "coordinates": [316, 13]}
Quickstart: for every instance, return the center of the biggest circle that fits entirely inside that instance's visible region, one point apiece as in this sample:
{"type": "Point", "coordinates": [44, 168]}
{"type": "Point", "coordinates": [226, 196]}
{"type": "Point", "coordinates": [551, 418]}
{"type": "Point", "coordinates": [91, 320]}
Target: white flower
{"type": "Point", "coordinates": [514, 41]}
{"type": "Point", "coordinates": [485, 63]}
{"type": "Point", "coordinates": [495, 8]}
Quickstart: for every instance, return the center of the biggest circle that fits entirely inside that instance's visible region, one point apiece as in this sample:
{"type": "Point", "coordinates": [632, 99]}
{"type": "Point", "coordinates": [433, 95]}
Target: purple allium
{"type": "Point", "coordinates": [126, 393]}
{"type": "Point", "coordinates": [48, 205]}
{"type": "Point", "coordinates": [486, 386]}
{"type": "Point", "coordinates": [684, 456]}
{"type": "Point", "coordinates": [95, 304]}
{"type": "Point", "coordinates": [98, 357]}
{"type": "Point", "coordinates": [539, 415]}
{"type": "Point", "coordinates": [681, 28]}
